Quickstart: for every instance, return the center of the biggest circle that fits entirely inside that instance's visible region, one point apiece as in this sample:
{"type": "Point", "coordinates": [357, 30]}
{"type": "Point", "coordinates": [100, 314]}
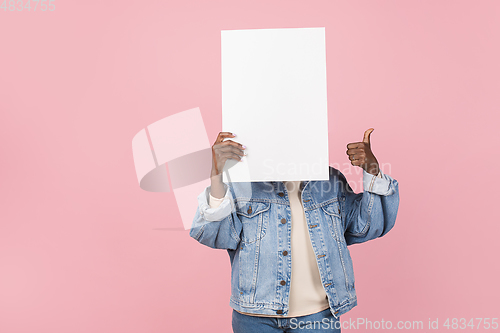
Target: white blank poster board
{"type": "Point", "coordinates": [274, 100]}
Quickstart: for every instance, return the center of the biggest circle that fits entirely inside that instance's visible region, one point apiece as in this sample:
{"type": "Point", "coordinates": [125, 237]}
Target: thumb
{"type": "Point", "coordinates": [366, 137]}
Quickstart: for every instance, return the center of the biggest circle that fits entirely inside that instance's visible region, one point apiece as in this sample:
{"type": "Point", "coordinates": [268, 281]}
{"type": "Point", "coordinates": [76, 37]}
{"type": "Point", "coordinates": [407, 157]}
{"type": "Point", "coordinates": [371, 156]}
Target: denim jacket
{"type": "Point", "coordinates": [253, 223]}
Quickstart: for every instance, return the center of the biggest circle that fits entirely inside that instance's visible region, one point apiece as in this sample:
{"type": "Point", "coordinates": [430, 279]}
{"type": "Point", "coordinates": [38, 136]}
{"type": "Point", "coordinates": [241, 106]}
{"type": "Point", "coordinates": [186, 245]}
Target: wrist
{"type": "Point", "coordinates": [373, 169]}
{"type": "Point", "coordinates": [217, 188]}
{"type": "Point", "coordinates": [216, 178]}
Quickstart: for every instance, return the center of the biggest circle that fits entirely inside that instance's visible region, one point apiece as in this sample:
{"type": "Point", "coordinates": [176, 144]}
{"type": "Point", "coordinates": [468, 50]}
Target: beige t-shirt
{"type": "Point", "coordinates": [307, 295]}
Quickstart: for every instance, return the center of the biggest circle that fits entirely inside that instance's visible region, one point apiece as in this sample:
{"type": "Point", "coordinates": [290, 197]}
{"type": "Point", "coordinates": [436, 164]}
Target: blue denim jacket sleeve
{"type": "Point", "coordinates": [372, 213]}
{"type": "Point", "coordinates": [218, 228]}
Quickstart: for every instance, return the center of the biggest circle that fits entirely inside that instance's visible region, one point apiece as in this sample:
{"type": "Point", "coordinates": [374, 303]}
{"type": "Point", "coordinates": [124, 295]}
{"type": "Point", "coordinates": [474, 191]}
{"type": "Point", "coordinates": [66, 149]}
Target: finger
{"type": "Point", "coordinates": [231, 156]}
{"type": "Point", "coordinates": [353, 151]}
{"type": "Point", "coordinates": [358, 160]}
{"type": "Point", "coordinates": [230, 146]}
{"type": "Point", "coordinates": [355, 145]}
{"type": "Point", "coordinates": [227, 134]}
{"type": "Point", "coordinates": [225, 149]}
{"type": "Point", "coordinates": [223, 135]}
{"type": "Point", "coordinates": [233, 143]}
{"type": "Point", "coordinates": [366, 136]}
{"type": "Point", "coordinates": [360, 157]}
{"type": "Point", "coordinates": [357, 157]}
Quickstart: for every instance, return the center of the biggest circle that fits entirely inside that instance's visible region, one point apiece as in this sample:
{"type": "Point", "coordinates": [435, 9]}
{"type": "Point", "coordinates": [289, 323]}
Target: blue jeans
{"type": "Point", "coordinates": [322, 321]}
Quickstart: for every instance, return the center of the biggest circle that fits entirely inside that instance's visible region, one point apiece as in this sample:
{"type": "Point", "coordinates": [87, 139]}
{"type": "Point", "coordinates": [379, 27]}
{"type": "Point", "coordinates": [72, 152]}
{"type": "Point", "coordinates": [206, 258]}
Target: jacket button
{"type": "Point", "coordinates": [249, 211]}
{"type": "Point", "coordinates": [307, 200]}
{"type": "Point", "coordinates": [279, 312]}
{"type": "Point", "coordinates": [285, 253]}
{"type": "Point", "coordinates": [339, 210]}
{"type": "Point", "coordinates": [283, 221]}
{"type": "Point", "coordinates": [283, 282]}
{"type": "Point", "coordinates": [281, 194]}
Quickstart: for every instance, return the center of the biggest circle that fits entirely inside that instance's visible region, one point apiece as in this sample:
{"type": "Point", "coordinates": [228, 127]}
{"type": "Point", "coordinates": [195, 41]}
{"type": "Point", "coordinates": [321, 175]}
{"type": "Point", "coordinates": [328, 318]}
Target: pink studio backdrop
{"type": "Point", "coordinates": [84, 249]}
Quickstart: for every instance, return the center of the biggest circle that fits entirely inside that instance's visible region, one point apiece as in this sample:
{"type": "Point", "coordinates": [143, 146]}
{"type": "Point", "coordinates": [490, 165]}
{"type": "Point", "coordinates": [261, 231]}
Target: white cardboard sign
{"type": "Point", "coordinates": [274, 99]}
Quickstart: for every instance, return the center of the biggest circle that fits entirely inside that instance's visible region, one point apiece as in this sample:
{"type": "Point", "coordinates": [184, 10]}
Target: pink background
{"type": "Point", "coordinates": [82, 247]}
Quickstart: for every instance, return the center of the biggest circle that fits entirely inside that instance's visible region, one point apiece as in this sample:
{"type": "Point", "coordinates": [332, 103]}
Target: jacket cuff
{"type": "Point", "coordinates": [219, 212]}
{"type": "Point", "coordinates": [379, 184]}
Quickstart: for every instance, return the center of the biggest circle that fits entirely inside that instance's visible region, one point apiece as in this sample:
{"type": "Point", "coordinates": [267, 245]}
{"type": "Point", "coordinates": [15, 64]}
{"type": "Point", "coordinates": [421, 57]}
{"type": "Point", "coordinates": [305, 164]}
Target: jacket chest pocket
{"type": "Point", "coordinates": [254, 219]}
{"type": "Point", "coordinates": [334, 220]}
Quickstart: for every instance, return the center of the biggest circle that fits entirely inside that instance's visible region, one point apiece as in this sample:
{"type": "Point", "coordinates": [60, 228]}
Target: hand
{"type": "Point", "coordinates": [361, 155]}
{"type": "Point", "coordinates": [224, 150]}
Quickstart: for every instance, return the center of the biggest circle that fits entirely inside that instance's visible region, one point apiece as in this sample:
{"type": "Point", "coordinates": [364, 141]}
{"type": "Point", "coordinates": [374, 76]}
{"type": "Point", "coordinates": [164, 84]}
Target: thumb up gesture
{"type": "Point", "coordinates": [361, 155]}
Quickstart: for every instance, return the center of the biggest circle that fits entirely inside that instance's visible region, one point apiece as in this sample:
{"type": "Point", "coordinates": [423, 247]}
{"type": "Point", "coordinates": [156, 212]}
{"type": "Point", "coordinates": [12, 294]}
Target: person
{"type": "Point", "coordinates": [291, 270]}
